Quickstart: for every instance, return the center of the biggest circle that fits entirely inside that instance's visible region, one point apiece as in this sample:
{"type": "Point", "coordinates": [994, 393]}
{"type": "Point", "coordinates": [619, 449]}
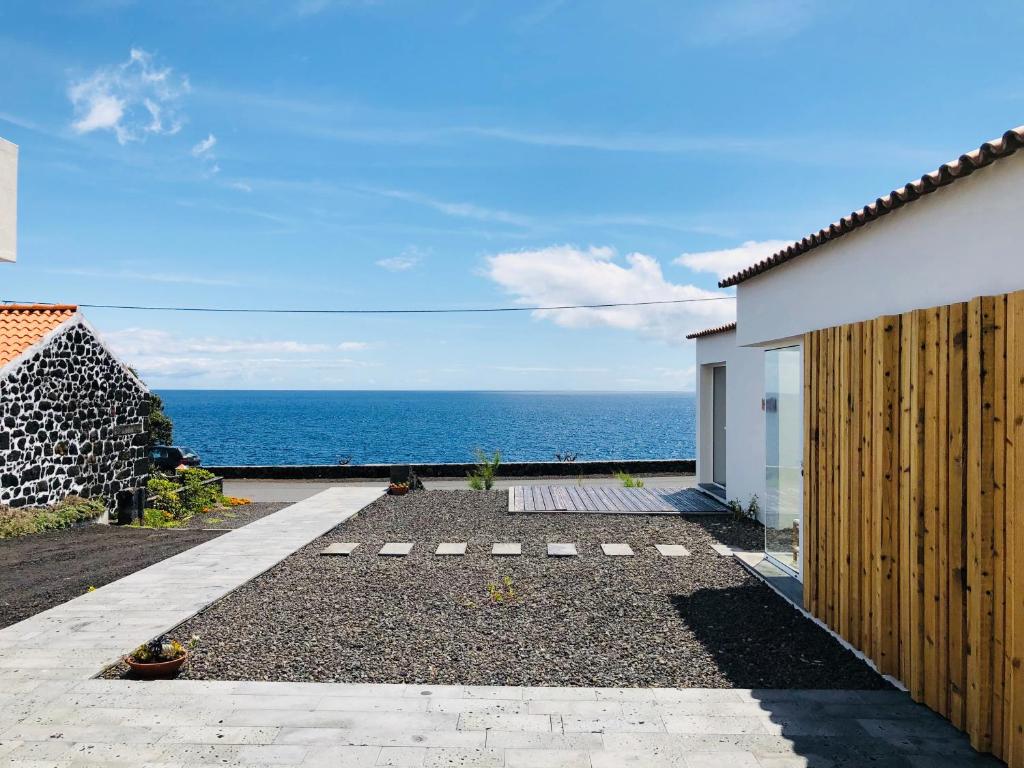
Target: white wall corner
{"type": "Point", "coordinates": [8, 201]}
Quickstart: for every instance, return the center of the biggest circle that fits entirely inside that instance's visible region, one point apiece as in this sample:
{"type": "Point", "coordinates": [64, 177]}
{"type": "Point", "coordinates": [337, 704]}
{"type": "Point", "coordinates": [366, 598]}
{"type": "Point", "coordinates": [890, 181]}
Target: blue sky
{"type": "Point", "coordinates": [311, 153]}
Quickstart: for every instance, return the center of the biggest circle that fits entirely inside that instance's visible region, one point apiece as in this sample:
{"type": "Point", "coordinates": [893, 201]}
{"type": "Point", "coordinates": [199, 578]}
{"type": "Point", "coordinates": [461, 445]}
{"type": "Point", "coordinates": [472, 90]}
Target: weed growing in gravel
{"type": "Point", "coordinates": [748, 514]}
{"type": "Point", "coordinates": [503, 593]}
{"type": "Point", "coordinates": [628, 481]}
{"type": "Point", "coordinates": [482, 477]}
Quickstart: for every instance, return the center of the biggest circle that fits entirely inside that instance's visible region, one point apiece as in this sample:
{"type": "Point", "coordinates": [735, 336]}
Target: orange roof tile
{"type": "Point", "coordinates": [712, 331]}
{"type": "Point", "coordinates": [963, 166]}
{"type": "Point", "coordinates": [22, 325]}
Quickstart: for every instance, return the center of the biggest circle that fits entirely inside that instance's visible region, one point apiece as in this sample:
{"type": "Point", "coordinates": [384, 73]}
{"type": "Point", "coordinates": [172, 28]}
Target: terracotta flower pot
{"type": "Point", "coordinates": [156, 669]}
{"type": "Point", "coordinates": [398, 490]}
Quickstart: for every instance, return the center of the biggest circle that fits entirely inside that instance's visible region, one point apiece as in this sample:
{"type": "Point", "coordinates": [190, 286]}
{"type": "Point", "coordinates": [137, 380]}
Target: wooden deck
{"type": "Point", "coordinates": [612, 499]}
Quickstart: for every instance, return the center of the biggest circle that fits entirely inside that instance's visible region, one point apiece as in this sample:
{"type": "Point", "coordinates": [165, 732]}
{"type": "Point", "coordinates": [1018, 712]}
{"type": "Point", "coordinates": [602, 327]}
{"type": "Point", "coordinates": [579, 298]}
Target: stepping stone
{"type": "Point", "coordinates": [451, 548]}
{"type": "Point", "coordinates": [722, 550]}
{"type": "Point", "coordinates": [395, 549]}
{"type": "Point", "coordinates": [344, 549]}
{"type": "Point", "coordinates": [507, 549]}
{"type": "Point", "coordinates": [672, 550]}
{"type": "Point", "coordinates": [562, 550]}
{"type": "Point", "coordinates": [617, 550]}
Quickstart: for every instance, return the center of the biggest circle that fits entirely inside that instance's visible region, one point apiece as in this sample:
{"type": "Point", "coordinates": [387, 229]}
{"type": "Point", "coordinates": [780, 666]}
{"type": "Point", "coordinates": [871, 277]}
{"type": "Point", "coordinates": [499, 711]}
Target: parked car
{"type": "Point", "coordinates": [170, 457]}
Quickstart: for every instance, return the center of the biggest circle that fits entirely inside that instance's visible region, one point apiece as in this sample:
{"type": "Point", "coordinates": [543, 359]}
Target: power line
{"type": "Point", "coordinates": [434, 311]}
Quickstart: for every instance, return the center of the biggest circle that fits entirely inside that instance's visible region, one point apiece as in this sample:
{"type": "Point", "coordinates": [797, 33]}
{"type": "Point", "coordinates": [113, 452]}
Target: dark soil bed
{"type": "Point", "coordinates": [46, 569]}
{"type": "Point", "coordinates": [234, 517]}
{"type": "Point", "coordinates": [697, 621]}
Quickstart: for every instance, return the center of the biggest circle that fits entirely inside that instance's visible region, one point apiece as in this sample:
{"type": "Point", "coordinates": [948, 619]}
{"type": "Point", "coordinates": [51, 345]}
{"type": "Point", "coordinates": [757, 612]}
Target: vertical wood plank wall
{"type": "Point", "coordinates": [913, 496]}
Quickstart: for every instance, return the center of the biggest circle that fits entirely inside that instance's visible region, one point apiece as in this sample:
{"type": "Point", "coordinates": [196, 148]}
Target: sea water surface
{"type": "Point", "coordinates": [238, 427]}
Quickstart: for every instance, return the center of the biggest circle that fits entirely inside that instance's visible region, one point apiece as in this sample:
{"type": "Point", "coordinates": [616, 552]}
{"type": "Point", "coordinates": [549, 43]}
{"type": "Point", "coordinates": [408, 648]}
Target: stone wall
{"type": "Point", "coordinates": [72, 420]}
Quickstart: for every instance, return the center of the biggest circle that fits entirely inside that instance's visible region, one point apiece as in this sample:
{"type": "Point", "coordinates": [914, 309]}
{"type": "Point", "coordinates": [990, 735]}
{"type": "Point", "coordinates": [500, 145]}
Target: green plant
{"type": "Point", "coordinates": [161, 428]}
{"type": "Point", "coordinates": [736, 508]}
{"type": "Point", "coordinates": [197, 493]}
{"type": "Point", "coordinates": [162, 648]}
{"type": "Point", "coordinates": [628, 481]}
{"type": "Point", "coordinates": [158, 518]}
{"type": "Point", "coordinates": [164, 496]}
{"type": "Point", "coordinates": [20, 521]}
{"type": "Point", "coordinates": [482, 477]}
{"type": "Point", "coordinates": [746, 514]}
{"type": "Point", "coordinates": [753, 509]}
{"type": "Point", "coordinates": [502, 593]}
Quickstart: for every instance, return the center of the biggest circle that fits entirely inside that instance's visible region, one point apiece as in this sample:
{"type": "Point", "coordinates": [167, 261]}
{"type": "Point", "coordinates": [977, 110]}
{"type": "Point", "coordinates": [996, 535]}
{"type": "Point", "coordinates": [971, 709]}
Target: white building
{"type": "Point", "coordinates": [8, 200]}
{"type": "Point", "coordinates": [954, 234]}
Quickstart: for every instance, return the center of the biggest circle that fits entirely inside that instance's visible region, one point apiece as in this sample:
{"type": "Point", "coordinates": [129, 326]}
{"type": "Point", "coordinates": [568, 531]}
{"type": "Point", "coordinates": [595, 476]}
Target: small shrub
{"type": "Point", "coordinates": [164, 496]}
{"type": "Point", "coordinates": [64, 514]}
{"type": "Point", "coordinates": [628, 481]}
{"type": "Point", "coordinates": [162, 648]}
{"type": "Point", "coordinates": [197, 493]}
{"type": "Point", "coordinates": [482, 477]}
{"type": "Point", "coordinates": [158, 518]}
{"type": "Point", "coordinates": [235, 501]}
{"type": "Point", "coordinates": [746, 514]}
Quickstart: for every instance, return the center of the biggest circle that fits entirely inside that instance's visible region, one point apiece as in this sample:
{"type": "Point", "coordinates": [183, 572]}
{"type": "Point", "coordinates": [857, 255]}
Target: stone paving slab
{"type": "Point", "coordinates": [451, 548]}
{"type": "Point", "coordinates": [562, 550]}
{"type": "Point", "coordinates": [395, 549]}
{"type": "Point", "coordinates": [672, 550]}
{"type": "Point", "coordinates": [343, 549]}
{"type": "Point", "coordinates": [507, 549]}
{"type": "Point", "coordinates": [617, 550]}
{"type": "Point", "coordinates": [53, 714]}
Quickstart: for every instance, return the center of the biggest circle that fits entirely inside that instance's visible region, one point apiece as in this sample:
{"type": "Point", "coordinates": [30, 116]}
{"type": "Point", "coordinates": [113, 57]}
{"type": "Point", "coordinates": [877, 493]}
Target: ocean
{"type": "Point", "coordinates": [251, 427]}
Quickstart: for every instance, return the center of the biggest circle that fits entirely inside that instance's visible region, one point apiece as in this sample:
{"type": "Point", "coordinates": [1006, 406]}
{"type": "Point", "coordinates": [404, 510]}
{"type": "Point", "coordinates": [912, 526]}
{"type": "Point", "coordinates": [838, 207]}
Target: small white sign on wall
{"type": "Point", "coordinates": [8, 200]}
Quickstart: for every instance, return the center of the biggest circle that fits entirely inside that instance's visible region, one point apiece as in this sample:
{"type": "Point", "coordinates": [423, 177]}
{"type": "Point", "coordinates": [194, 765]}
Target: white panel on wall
{"type": "Point", "coordinates": [8, 200]}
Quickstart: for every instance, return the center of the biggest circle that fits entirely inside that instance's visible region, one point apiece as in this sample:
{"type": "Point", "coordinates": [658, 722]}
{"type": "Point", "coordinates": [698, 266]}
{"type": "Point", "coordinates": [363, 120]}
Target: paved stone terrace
{"type": "Point", "coordinates": [52, 714]}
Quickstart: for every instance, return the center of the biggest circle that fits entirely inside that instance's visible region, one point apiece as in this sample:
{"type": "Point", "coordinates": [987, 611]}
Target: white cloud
{"type": "Point", "coordinates": [566, 275]}
{"type": "Point", "coordinates": [204, 146]}
{"type": "Point", "coordinates": [132, 99]}
{"type": "Point", "coordinates": [458, 210]}
{"type": "Point", "coordinates": [729, 261]}
{"type": "Point", "coordinates": [204, 151]}
{"type": "Point", "coordinates": [162, 354]}
{"type": "Point", "coordinates": [405, 261]}
{"type": "Point", "coordinates": [353, 346]}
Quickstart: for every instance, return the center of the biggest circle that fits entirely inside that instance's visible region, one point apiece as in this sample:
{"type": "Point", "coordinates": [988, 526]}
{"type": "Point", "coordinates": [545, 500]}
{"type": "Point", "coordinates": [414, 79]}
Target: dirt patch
{"type": "Point", "coordinates": [592, 620]}
{"type": "Point", "coordinates": [42, 570]}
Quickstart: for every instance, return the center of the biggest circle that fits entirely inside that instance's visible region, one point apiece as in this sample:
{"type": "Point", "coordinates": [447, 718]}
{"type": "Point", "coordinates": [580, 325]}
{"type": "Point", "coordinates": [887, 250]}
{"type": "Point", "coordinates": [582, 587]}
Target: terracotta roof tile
{"type": "Point", "coordinates": [946, 174]}
{"type": "Point", "coordinates": [22, 325]}
{"type": "Point", "coordinates": [712, 331]}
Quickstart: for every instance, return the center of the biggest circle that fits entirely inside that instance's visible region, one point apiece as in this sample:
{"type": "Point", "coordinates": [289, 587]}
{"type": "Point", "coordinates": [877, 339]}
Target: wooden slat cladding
{"type": "Point", "coordinates": [913, 479]}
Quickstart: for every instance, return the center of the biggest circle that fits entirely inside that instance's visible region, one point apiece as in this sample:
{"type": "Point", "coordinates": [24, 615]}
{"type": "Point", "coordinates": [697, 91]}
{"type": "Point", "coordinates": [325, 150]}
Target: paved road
{"type": "Point", "coordinates": [297, 490]}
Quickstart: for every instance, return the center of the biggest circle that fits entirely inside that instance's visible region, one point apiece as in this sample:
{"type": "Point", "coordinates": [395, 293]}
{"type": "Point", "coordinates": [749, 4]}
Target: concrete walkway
{"type": "Point", "coordinates": [52, 714]}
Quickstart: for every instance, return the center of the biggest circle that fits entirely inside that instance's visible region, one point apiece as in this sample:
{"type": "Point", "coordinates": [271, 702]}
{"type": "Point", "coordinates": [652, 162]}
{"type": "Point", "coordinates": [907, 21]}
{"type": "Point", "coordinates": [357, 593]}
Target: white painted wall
{"type": "Point", "coordinates": [744, 470]}
{"type": "Point", "coordinates": [962, 241]}
{"type": "Point", "coordinates": [8, 200]}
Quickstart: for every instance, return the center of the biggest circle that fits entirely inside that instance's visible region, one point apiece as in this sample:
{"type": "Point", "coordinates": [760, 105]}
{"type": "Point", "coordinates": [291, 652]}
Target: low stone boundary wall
{"type": "Point", "coordinates": [511, 469]}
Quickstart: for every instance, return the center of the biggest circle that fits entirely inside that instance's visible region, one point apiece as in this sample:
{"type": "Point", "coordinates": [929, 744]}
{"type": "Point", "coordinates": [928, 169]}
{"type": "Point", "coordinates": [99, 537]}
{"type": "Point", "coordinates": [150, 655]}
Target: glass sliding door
{"type": "Point", "coordinates": [783, 409]}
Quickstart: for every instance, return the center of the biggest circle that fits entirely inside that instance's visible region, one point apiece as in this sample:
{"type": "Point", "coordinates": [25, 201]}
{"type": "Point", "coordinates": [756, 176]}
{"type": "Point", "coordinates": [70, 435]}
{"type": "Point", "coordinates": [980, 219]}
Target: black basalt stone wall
{"type": "Point", "coordinates": [72, 420]}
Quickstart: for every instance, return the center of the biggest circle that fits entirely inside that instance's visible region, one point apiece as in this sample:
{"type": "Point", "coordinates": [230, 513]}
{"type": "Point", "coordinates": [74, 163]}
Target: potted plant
{"type": "Point", "coordinates": [398, 489]}
{"type": "Point", "coordinates": [162, 657]}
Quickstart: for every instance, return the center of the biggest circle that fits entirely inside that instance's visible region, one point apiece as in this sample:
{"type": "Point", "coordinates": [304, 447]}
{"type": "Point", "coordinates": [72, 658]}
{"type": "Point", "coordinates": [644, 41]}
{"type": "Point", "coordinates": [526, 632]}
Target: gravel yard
{"type": "Point", "coordinates": [233, 517]}
{"type": "Point", "coordinates": [593, 620]}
